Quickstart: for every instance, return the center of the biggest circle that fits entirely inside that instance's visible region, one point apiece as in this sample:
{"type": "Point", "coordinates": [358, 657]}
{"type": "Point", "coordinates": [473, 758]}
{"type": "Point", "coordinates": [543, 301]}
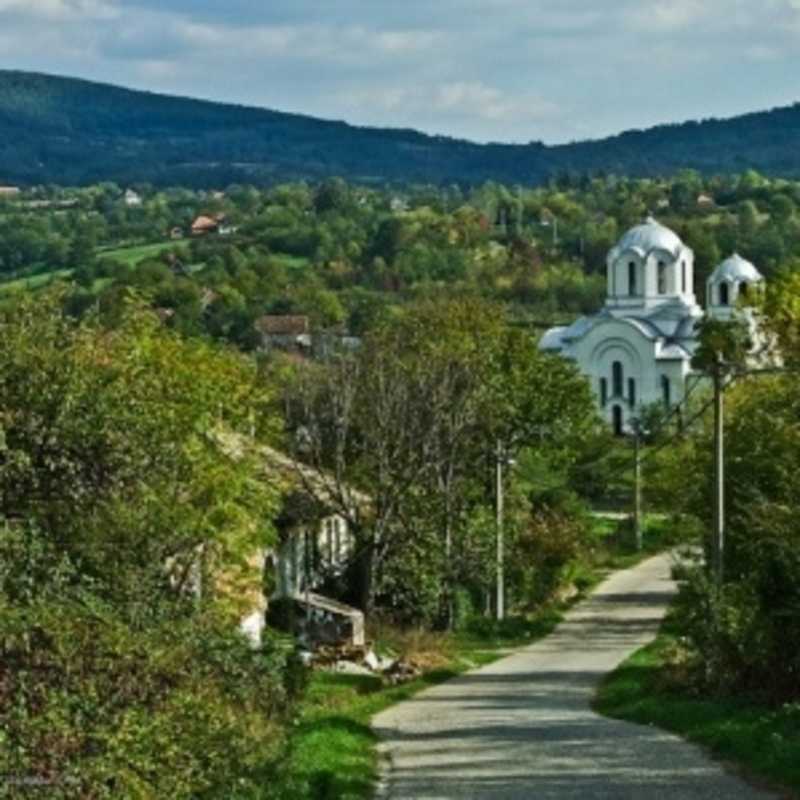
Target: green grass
{"type": "Point", "coordinates": [130, 256]}
{"type": "Point", "coordinates": [333, 751]}
{"type": "Point", "coordinates": [614, 546]}
{"type": "Point", "coordinates": [290, 262]}
{"type": "Point", "coordinates": [33, 282]}
{"type": "Point", "coordinates": [763, 742]}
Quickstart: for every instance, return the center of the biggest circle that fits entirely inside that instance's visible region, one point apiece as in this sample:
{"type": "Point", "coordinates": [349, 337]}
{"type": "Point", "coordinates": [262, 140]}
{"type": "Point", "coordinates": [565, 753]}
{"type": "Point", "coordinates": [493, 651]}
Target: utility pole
{"type": "Point", "coordinates": [499, 523]}
{"type": "Point", "coordinates": [719, 472]}
{"type": "Point", "coordinates": [637, 480]}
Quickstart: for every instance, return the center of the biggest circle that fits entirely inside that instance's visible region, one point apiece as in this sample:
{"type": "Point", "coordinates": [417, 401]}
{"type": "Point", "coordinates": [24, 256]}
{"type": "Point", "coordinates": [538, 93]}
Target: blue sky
{"type": "Point", "coordinates": [488, 70]}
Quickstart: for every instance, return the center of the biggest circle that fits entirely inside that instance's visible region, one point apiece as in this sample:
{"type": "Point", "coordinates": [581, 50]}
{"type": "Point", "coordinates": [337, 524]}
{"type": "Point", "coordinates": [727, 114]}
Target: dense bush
{"type": "Point", "coordinates": [745, 635]}
{"type": "Point", "coordinates": [128, 530]}
{"type": "Point", "coordinates": [98, 702]}
{"type": "Point", "coordinates": [546, 551]}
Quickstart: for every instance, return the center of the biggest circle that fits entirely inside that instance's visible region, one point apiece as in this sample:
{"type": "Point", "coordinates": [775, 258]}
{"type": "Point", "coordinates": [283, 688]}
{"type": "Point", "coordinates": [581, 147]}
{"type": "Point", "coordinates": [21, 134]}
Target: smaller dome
{"type": "Point", "coordinates": [735, 270]}
{"type": "Point", "coordinates": [650, 235]}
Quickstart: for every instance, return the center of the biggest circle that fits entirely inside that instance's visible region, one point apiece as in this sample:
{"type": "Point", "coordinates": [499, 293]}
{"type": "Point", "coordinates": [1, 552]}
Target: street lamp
{"type": "Point", "coordinates": [638, 431]}
{"type": "Point", "coordinates": [501, 459]}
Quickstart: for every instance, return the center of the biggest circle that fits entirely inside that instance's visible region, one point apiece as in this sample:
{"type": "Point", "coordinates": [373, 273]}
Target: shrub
{"type": "Point", "coordinates": [546, 549]}
{"type": "Point", "coordinates": [98, 702]}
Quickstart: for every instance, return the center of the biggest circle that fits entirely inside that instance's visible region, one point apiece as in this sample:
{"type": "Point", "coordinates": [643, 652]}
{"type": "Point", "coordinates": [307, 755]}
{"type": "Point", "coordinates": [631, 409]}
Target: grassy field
{"type": "Point", "coordinates": [127, 256]}
{"type": "Point", "coordinates": [42, 277]}
{"type": "Point", "coordinates": [132, 255]}
{"type": "Point", "coordinates": [33, 282]}
{"type": "Point", "coordinates": [763, 742]}
{"type": "Point", "coordinates": [290, 262]}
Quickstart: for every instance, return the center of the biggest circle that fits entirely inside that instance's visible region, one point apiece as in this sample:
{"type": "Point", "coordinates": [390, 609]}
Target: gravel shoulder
{"type": "Point", "coordinates": [523, 726]}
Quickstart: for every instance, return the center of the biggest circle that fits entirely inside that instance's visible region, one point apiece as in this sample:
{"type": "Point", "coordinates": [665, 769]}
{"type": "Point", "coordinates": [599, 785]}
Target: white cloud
{"type": "Point", "coordinates": [669, 15]}
{"type": "Point", "coordinates": [458, 100]}
{"type": "Point", "coordinates": [485, 69]}
{"type": "Point", "coordinates": [59, 10]}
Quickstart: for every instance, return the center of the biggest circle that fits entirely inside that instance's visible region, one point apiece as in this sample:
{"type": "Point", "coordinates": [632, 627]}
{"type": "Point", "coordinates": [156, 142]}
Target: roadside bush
{"type": "Point", "coordinates": [94, 705]}
{"type": "Point", "coordinates": [546, 550]}
{"type": "Point", "coordinates": [745, 636]}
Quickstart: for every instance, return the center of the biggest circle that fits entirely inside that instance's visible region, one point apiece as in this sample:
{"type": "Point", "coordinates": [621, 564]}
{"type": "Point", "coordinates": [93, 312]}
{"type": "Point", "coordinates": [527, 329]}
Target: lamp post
{"type": "Point", "coordinates": [501, 589]}
{"type": "Point", "coordinates": [719, 470]}
{"type": "Point", "coordinates": [637, 479]}
{"type": "Point", "coordinates": [637, 431]}
{"type": "Point", "coordinates": [501, 459]}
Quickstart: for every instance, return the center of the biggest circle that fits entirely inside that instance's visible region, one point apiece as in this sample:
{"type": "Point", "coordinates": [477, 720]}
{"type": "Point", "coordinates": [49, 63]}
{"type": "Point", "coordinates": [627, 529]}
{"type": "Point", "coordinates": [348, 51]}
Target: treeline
{"type": "Point", "coordinates": [345, 256]}
{"type": "Point", "coordinates": [69, 131]}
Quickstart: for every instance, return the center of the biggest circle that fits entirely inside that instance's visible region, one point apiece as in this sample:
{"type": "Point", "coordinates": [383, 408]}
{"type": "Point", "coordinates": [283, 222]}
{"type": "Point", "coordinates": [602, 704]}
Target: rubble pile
{"type": "Point", "coordinates": [361, 660]}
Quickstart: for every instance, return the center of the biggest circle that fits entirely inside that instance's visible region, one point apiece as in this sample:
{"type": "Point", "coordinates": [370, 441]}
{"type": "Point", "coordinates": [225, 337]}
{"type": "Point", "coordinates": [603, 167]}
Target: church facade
{"type": "Point", "coordinates": [637, 349]}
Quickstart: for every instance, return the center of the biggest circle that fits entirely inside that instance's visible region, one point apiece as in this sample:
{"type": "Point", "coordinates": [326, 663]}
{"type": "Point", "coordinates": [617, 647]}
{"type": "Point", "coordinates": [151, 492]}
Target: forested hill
{"type": "Point", "coordinates": [68, 131]}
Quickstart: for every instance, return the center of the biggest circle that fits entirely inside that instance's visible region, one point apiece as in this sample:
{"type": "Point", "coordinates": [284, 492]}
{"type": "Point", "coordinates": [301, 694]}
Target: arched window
{"type": "Point", "coordinates": [633, 289]}
{"type": "Point", "coordinates": [683, 277]}
{"type": "Point", "coordinates": [603, 391]}
{"type": "Point", "coordinates": [744, 288]}
{"type": "Point", "coordinates": [617, 379]}
{"type": "Point", "coordinates": [724, 298]}
{"type": "Point", "coordinates": [616, 414]}
{"type": "Point", "coordinates": [631, 392]}
{"type": "Point", "coordinates": [666, 391]}
{"type": "Point", "coordinates": [662, 278]}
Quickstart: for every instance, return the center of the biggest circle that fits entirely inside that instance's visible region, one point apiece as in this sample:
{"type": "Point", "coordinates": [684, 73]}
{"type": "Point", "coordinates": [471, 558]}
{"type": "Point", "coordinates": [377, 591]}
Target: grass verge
{"type": "Point", "coordinates": [332, 750]}
{"type": "Point", "coordinates": [763, 742]}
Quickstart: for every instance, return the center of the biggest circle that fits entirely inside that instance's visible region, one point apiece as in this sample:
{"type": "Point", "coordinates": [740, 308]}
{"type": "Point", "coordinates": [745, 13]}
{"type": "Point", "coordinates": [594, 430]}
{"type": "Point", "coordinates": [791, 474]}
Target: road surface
{"type": "Point", "coordinates": [523, 728]}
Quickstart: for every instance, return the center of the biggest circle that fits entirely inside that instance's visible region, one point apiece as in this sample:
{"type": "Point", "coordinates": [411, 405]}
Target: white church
{"type": "Point", "coordinates": [637, 350]}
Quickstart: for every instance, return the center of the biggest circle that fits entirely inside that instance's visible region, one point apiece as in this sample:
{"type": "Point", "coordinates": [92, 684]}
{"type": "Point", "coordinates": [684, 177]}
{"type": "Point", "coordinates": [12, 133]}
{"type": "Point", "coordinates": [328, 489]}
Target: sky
{"type": "Point", "coordinates": [486, 70]}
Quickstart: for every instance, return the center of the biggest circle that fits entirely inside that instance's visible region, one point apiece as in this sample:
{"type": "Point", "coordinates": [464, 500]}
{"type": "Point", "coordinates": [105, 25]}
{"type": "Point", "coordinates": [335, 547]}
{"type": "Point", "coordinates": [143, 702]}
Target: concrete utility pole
{"type": "Point", "coordinates": [719, 472]}
{"type": "Point", "coordinates": [501, 589]}
{"type": "Point", "coordinates": [637, 479]}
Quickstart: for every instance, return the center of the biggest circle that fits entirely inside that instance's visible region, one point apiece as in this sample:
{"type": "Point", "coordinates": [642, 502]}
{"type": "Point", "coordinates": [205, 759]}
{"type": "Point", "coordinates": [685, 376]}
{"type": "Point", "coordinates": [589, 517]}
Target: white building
{"type": "Point", "coordinates": [132, 199]}
{"type": "Point", "coordinates": [637, 349]}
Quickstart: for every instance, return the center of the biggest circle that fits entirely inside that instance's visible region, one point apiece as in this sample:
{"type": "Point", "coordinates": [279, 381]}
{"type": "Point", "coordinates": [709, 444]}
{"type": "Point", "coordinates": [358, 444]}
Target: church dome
{"type": "Point", "coordinates": [736, 269]}
{"type": "Point", "coordinates": [650, 235]}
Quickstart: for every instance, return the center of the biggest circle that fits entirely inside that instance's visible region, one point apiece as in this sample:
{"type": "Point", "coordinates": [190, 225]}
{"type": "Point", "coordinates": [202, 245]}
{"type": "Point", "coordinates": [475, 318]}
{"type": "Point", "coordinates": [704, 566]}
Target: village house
{"type": "Point", "coordinates": [9, 192]}
{"type": "Point", "coordinates": [289, 332]}
{"type": "Point", "coordinates": [204, 225]}
{"type": "Point", "coordinates": [132, 199]}
{"type": "Point", "coordinates": [705, 202]}
{"type": "Point", "coordinates": [315, 544]}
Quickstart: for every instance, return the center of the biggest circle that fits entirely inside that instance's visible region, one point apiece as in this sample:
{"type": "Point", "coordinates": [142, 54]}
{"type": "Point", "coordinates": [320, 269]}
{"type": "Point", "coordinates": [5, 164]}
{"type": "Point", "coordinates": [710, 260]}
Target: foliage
{"type": "Point", "coordinates": [126, 561]}
{"type": "Point", "coordinates": [728, 340]}
{"type": "Point", "coordinates": [743, 636]}
{"type": "Point", "coordinates": [552, 543]}
{"type": "Point", "coordinates": [70, 131]}
{"type": "Point", "coordinates": [414, 419]}
{"type": "Point", "coordinates": [96, 705]}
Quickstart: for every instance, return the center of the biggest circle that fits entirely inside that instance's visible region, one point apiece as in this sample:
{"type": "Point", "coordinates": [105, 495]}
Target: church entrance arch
{"type": "Point", "coordinates": [617, 420]}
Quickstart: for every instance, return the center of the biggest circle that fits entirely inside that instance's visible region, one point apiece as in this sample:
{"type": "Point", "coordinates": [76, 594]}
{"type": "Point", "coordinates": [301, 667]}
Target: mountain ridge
{"type": "Point", "coordinates": [56, 129]}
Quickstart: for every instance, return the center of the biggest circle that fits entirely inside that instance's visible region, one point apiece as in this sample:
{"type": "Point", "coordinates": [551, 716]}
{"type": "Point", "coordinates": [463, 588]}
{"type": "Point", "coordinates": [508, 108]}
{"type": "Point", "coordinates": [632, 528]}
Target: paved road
{"type": "Point", "coordinates": [523, 728]}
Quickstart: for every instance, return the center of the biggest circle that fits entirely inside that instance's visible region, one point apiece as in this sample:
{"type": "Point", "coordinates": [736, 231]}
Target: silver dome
{"type": "Point", "coordinates": [650, 235]}
{"type": "Point", "coordinates": [736, 269]}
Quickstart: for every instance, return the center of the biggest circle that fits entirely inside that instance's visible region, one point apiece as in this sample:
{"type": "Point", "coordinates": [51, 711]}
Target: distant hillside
{"type": "Point", "coordinates": [68, 131]}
